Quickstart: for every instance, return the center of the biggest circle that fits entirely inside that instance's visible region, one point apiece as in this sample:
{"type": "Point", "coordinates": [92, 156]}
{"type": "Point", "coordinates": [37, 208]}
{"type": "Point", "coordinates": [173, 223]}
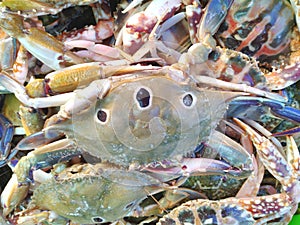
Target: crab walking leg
{"type": "Point", "coordinates": [39, 43]}
{"type": "Point", "coordinates": [20, 93]}
{"type": "Point", "coordinates": [78, 76]}
{"type": "Point", "coordinates": [38, 7]}
{"type": "Point", "coordinates": [41, 157]}
{"type": "Point", "coordinates": [238, 87]}
{"type": "Point", "coordinates": [213, 17]}
{"type": "Point", "coordinates": [20, 67]}
{"type": "Point", "coordinates": [251, 186]}
{"type": "Point", "coordinates": [273, 159]}
{"type": "Point", "coordinates": [284, 169]}
{"type": "Point", "coordinates": [67, 79]}
{"type": "Point", "coordinates": [291, 131]}
{"type": "Point", "coordinates": [6, 135]}
{"type": "Point", "coordinates": [293, 157]}
{"type": "Point", "coordinates": [282, 78]}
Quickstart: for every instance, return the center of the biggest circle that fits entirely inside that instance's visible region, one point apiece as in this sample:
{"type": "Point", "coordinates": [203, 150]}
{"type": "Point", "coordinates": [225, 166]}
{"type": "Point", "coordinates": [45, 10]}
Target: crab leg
{"type": "Point", "coordinates": [229, 150]}
{"type": "Point", "coordinates": [272, 159]}
{"type": "Point", "coordinates": [38, 42]}
{"type": "Point", "coordinates": [38, 7]}
{"type": "Point", "coordinates": [215, 13]}
{"type": "Point", "coordinates": [239, 87]}
{"type": "Point", "coordinates": [280, 79]}
{"type": "Point", "coordinates": [278, 108]}
{"type": "Point", "coordinates": [67, 79]}
{"type": "Point", "coordinates": [20, 93]}
{"type": "Point", "coordinates": [296, 7]}
{"type": "Point", "coordinates": [287, 132]}
{"type": "Point", "coordinates": [189, 167]}
{"type": "Point", "coordinates": [6, 133]}
{"type": "Point", "coordinates": [251, 186]}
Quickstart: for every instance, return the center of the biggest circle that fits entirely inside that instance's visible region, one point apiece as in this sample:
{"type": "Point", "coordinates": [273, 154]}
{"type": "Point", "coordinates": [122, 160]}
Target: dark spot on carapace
{"type": "Point", "coordinates": [143, 97]}
{"type": "Point", "coordinates": [102, 116]}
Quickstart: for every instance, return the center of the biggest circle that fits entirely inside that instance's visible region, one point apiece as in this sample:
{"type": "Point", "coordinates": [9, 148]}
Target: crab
{"type": "Point", "coordinates": [230, 21]}
{"type": "Point", "coordinates": [252, 209]}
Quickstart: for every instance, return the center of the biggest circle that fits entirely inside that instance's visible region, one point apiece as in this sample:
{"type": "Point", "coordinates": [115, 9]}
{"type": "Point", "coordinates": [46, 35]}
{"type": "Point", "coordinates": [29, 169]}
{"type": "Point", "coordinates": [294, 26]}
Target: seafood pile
{"type": "Point", "coordinates": [149, 112]}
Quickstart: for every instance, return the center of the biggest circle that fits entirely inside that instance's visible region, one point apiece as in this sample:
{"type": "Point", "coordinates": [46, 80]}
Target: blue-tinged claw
{"type": "Point", "coordinates": [288, 112]}
{"type": "Point", "coordinates": [287, 132]}
{"type": "Point", "coordinates": [215, 13]}
{"type": "Point", "coordinates": [38, 139]}
{"type": "Point", "coordinates": [6, 135]}
{"type": "Point", "coordinates": [279, 109]}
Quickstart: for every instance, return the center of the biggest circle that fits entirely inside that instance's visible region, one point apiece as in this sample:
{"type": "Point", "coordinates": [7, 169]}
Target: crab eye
{"type": "Point", "coordinates": [187, 100]}
{"type": "Point", "coordinates": [97, 219]}
{"type": "Point", "coordinates": [143, 97]}
{"type": "Point", "coordinates": [102, 116]}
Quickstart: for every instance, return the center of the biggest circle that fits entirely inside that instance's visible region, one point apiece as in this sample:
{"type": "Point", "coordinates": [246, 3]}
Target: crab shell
{"type": "Point", "coordinates": [147, 119]}
{"type": "Point", "coordinates": [95, 193]}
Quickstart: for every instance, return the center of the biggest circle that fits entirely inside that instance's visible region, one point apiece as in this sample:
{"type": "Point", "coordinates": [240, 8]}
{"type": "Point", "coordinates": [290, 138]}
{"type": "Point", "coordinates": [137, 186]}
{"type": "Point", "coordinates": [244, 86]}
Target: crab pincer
{"type": "Point", "coordinates": [280, 109]}
{"type": "Point", "coordinates": [6, 135]}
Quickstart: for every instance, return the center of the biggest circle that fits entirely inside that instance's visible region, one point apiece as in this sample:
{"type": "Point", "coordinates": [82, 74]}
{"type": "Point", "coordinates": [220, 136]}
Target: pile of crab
{"type": "Point", "coordinates": [153, 112]}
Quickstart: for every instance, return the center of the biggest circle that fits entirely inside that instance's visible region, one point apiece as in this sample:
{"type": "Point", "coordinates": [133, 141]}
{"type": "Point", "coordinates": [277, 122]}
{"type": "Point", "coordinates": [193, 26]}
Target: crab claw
{"type": "Point", "coordinates": [38, 139]}
{"type": "Point", "coordinates": [6, 135]}
{"type": "Point", "coordinates": [12, 195]}
{"type": "Point", "coordinates": [38, 42]}
{"type": "Point", "coordinates": [215, 13]}
{"type": "Point", "coordinates": [187, 167]}
{"type": "Point", "coordinates": [287, 132]}
{"type": "Point", "coordinates": [285, 170]}
{"type": "Point", "coordinates": [280, 109]}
